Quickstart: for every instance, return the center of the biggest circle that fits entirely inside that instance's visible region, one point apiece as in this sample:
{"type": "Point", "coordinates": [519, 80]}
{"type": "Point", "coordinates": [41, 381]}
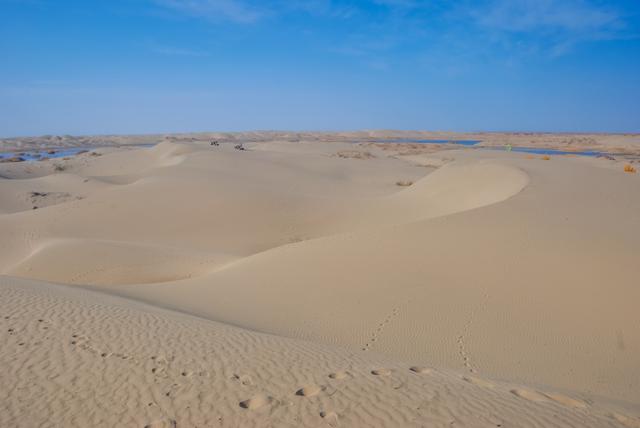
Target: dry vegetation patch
{"type": "Point", "coordinates": [12, 159]}
{"type": "Point", "coordinates": [354, 154]}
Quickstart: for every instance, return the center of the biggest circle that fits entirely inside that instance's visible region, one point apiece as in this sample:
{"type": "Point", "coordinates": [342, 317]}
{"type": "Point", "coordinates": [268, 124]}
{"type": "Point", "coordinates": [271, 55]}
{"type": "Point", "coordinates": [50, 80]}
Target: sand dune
{"type": "Point", "coordinates": [75, 358]}
{"type": "Point", "coordinates": [456, 187]}
{"type": "Point", "coordinates": [468, 266]}
{"type": "Point", "coordinates": [105, 262]}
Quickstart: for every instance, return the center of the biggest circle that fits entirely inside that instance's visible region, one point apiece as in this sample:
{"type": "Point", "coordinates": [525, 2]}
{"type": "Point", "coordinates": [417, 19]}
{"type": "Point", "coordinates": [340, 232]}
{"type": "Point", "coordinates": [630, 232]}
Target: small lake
{"type": "Point", "coordinates": [531, 150]}
{"type": "Point", "coordinates": [44, 154]}
{"type": "Point", "coordinates": [542, 151]}
{"type": "Point", "coordinates": [408, 140]}
{"type": "Point", "coordinates": [36, 155]}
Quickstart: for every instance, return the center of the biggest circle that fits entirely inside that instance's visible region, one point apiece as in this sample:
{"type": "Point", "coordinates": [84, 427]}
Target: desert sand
{"type": "Point", "coordinates": [312, 281]}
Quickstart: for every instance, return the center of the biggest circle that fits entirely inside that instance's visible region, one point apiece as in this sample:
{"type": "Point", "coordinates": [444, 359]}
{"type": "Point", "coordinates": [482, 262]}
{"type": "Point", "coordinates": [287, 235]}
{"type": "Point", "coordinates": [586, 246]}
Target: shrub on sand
{"type": "Point", "coordinates": [629, 168]}
{"type": "Point", "coordinates": [546, 157]}
{"type": "Point", "coordinates": [354, 154]}
{"type": "Point", "coordinates": [404, 183]}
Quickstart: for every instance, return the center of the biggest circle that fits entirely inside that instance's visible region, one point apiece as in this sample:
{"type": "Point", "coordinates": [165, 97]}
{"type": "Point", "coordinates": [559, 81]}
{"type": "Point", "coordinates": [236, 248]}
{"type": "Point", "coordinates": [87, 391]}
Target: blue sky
{"type": "Point", "coordinates": [144, 66]}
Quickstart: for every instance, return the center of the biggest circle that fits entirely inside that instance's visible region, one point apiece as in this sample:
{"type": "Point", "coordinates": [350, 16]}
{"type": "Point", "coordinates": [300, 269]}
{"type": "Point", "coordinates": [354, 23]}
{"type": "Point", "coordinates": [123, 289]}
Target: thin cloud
{"type": "Point", "coordinates": [215, 10]}
{"type": "Point", "coordinates": [577, 16]}
{"type": "Point", "coordinates": [252, 11]}
{"type": "Point", "coordinates": [509, 27]}
{"type": "Point", "coordinates": [173, 51]}
{"type": "Point", "coordinates": [555, 25]}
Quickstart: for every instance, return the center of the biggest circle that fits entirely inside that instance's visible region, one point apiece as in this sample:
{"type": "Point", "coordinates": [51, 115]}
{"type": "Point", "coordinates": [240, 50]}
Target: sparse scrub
{"type": "Point", "coordinates": [12, 159]}
{"type": "Point", "coordinates": [354, 154]}
{"type": "Point", "coordinates": [629, 168]}
{"type": "Point", "coordinates": [546, 157]}
{"type": "Point", "coordinates": [59, 167]}
{"type": "Point", "coordinates": [403, 183]}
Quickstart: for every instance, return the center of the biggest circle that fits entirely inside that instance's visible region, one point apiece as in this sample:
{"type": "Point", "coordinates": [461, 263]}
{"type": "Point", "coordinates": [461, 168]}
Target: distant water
{"type": "Point", "coordinates": [538, 151]}
{"type": "Point", "coordinates": [532, 150]}
{"type": "Point", "coordinates": [35, 155]}
{"type": "Point", "coordinates": [43, 154]}
{"type": "Point", "coordinates": [407, 140]}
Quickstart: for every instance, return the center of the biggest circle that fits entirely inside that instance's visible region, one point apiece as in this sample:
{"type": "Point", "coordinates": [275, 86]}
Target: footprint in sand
{"type": "Point", "coordinates": [309, 391]}
{"type": "Point", "coordinates": [330, 417]}
{"type": "Point", "coordinates": [567, 401]}
{"type": "Point", "coordinates": [420, 370]}
{"type": "Point", "coordinates": [529, 395]}
{"type": "Point", "coordinates": [381, 372]}
{"type": "Point", "coordinates": [338, 375]}
{"type": "Point", "coordinates": [243, 379]}
{"type": "Point", "coordinates": [477, 381]}
{"type": "Point", "coordinates": [374, 336]}
{"type": "Point", "coordinates": [256, 402]}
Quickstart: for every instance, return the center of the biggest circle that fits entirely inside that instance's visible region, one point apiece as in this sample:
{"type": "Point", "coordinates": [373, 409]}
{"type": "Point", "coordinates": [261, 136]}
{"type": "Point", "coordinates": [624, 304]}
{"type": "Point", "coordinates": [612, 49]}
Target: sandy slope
{"type": "Point", "coordinates": [75, 358]}
{"type": "Point", "coordinates": [490, 264]}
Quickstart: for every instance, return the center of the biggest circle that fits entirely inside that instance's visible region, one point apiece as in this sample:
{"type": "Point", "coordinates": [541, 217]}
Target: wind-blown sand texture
{"type": "Point", "coordinates": [490, 289]}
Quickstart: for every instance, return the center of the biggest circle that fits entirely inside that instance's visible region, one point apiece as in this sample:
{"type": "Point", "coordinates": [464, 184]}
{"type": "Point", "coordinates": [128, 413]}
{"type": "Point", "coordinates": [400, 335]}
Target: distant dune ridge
{"type": "Point", "coordinates": [567, 141]}
{"type": "Point", "coordinates": [301, 285]}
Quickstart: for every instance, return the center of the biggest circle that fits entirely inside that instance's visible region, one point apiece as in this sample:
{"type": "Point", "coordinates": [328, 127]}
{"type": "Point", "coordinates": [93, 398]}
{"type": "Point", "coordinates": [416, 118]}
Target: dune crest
{"type": "Point", "coordinates": [456, 187]}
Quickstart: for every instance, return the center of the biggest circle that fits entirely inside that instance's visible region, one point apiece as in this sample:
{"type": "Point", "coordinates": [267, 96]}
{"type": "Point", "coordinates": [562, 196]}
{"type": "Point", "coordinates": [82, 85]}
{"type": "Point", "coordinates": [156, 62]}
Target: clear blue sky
{"type": "Point", "coordinates": [143, 66]}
